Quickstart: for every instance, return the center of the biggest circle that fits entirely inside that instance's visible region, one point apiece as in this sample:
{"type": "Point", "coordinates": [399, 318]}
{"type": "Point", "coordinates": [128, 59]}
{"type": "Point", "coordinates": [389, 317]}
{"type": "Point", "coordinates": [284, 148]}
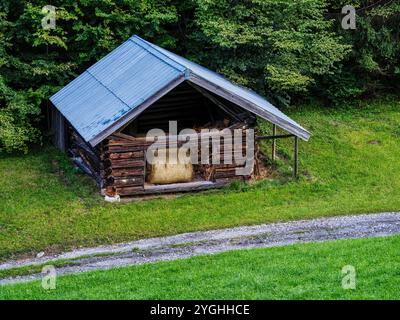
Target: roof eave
{"type": "Point", "coordinates": [295, 130]}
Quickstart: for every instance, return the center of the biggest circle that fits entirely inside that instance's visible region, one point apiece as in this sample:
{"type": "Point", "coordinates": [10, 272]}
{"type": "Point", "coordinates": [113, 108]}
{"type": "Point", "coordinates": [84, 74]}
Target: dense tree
{"type": "Point", "coordinates": [374, 65]}
{"type": "Point", "coordinates": [276, 47]}
{"type": "Point", "coordinates": [284, 49]}
{"type": "Point", "coordinates": [35, 62]}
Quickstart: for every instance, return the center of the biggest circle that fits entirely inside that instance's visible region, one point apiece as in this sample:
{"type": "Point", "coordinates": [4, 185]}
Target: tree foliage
{"type": "Point", "coordinates": [35, 62]}
{"type": "Point", "coordinates": [374, 65]}
{"type": "Point", "coordinates": [276, 47]}
{"type": "Point", "coordinates": [283, 49]}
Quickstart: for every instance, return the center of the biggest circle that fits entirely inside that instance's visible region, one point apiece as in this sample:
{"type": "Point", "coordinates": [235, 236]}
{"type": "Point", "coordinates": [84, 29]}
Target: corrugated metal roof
{"type": "Point", "coordinates": [119, 86]}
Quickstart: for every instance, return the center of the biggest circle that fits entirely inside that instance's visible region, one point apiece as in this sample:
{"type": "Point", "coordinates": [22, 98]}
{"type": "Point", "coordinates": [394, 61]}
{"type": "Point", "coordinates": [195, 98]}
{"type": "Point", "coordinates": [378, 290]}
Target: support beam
{"type": "Point", "coordinates": [58, 130]}
{"type": "Point", "coordinates": [273, 142]}
{"type": "Point", "coordinates": [216, 102]}
{"type": "Point", "coordinates": [296, 156]}
{"type": "Point", "coordinates": [279, 136]}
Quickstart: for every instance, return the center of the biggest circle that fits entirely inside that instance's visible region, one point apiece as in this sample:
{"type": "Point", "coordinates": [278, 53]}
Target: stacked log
{"type": "Point", "coordinates": [123, 168]}
{"type": "Point", "coordinates": [123, 159]}
{"type": "Point", "coordinates": [224, 172]}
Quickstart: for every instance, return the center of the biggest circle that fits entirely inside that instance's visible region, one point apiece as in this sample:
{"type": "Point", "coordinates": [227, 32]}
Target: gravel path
{"type": "Point", "coordinates": [208, 242]}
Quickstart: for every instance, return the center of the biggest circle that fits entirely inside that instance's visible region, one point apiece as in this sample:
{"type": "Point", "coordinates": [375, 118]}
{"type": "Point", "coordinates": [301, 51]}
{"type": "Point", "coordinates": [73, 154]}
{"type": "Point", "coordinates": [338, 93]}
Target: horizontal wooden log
{"type": "Point", "coordinates": [224, 173]}
{"type": "Point", "coordinates": [222, 166]}
{"type": "Point", "coordinates": [175, 187]}
{"type": "Point", "coordinates": [118, 173]}
{"type": "Point", "coordinates": [123, 149]}
{"type": "Point", "coordinates": [138, 143]}
{"type": "Point", "coordinates": [128, 191]}
{"type": "Point", "coordinates": [125, 182]}
{"type": "Point", "coordinates": [124, 163]}
{"type": "Point", "coordinates": [122, 136]}
{"type": "Point", "coordinates": [126, 155]}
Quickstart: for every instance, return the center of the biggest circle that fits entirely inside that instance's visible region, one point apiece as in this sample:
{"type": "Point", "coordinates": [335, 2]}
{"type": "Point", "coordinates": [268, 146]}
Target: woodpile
{"type": "Point", "coordinates": [84, 156]}
{"type": "Point", "coordinates": [223, 172]}
{"type": "Point", "coordinates": [124, 163]}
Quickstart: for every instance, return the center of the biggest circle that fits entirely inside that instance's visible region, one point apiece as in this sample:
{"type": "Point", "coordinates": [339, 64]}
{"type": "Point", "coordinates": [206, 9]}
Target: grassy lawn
{"type": "Point", "coordinates": [302, 271]}
{"type": "Point", "coordinates": [350, 165]}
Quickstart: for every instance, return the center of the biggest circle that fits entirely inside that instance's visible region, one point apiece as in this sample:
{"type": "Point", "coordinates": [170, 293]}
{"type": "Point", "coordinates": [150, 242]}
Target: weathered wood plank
{"type": "Point", "coordinates": [123, 172]}
{"type": "Point", "coordinates": [126, 155]}
{"type": "Point", "coordinates": [124, 163]}
{"type": "Point", "coordinates": [126, 181]}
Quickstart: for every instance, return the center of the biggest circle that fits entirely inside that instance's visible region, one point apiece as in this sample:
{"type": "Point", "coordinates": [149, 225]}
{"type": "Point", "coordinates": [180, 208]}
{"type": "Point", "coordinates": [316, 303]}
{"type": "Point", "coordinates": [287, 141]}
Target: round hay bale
{"type": "Point", "coordinates": [166, 169]}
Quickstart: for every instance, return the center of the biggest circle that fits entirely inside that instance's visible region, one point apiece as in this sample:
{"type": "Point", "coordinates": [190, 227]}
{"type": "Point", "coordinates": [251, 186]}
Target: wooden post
{"type": "Point", "coordinates": [296, 156]}
{"type": "Point", "coordinates": [273, 142]}
{"type": "Point", "coordinates": [58, 130]}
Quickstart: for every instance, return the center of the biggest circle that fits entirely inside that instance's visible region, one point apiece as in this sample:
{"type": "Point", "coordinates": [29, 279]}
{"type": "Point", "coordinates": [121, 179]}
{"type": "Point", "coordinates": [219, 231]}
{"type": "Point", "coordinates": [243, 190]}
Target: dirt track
{"type": "Point", "coordinates": [209, 242]}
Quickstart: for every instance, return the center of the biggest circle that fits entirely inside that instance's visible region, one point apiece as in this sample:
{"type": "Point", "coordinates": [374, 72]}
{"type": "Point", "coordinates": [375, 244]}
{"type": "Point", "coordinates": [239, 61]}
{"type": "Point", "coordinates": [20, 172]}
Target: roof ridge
{"type": "Point", "coordinates": [146, 47]}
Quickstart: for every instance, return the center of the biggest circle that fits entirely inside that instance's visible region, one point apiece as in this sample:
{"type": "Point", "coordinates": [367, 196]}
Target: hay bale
{"type": "Point", "coordinates": [164, 170]}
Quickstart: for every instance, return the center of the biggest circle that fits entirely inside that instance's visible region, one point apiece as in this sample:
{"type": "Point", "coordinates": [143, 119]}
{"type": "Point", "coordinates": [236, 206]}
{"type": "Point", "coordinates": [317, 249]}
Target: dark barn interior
{"type": "Point", "coordinates": [191, 107]}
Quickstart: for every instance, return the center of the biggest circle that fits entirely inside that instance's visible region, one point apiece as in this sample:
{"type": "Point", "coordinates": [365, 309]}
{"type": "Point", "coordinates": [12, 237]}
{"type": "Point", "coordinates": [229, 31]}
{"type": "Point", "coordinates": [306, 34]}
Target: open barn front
{"type": "Point", "coordinates": [186, 114]}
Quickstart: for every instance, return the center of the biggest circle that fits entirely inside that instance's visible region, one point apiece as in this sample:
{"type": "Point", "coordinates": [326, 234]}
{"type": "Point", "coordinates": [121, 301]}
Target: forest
{"type": "Point", "coordinates": [288, 51]}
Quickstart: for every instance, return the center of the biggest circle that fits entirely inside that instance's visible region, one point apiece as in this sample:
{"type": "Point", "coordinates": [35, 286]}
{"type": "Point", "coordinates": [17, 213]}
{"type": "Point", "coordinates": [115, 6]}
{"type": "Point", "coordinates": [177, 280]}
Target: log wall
{"type": "Point", "coordinates": [119, 165]}
{"type": "Point", "coordinates": [123, 170]}
{"type": "Point", "coordinates": [124, 165]}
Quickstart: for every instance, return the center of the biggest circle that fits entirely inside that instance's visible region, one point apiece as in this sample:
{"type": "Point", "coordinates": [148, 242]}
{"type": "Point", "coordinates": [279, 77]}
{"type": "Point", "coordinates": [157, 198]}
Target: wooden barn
{"type": "Point", "coordinates": [103, 116]}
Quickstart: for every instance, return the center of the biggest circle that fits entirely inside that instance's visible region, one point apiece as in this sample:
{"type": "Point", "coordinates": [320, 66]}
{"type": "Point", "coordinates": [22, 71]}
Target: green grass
{"type": "Point", "coordinates": [302, 271]}
{"type": "Point", "coordinates": [32, 269]}
{"type": "Point", "coordinates": [45, 205]}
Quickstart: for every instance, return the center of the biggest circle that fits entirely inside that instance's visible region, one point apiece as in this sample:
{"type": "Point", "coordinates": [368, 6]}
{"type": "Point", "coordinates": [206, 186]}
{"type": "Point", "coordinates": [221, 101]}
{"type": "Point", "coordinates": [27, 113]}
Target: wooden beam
{"type": "Point", "coordinates": [273, 142]}
{"type": "Point", "coordinates": [296, 157]}
{"type": "Point", "coordinates": [253, 108]}
{"type": "Point", "coordinates": [59, 130]}
{"type": "Point", "coordinates": [279, 136]}
{"type": "Point", "coordinates": [215, 101]}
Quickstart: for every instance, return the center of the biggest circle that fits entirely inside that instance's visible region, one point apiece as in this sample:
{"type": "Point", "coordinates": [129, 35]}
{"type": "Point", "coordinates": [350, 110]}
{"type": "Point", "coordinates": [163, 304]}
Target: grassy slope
{"type": "Point", "coordinates": [42, 207]}
{"type": "Point", "coordinates": [303, 271]}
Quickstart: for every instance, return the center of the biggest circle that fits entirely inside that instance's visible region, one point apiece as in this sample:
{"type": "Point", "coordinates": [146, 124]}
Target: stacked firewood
{"type": "Point", "coordinates": [123, 159]}
{"type": "Point", "coordinates": [224, 172]}
{"type": "Point", "coordinates": [123, 163]}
